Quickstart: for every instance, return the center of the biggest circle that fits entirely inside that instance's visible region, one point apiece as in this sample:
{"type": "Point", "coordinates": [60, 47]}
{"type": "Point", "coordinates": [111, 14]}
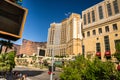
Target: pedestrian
{"type": "Point", "coordinates": [24, 77]}
{"type": "Point", "coordinates": [20, 75]}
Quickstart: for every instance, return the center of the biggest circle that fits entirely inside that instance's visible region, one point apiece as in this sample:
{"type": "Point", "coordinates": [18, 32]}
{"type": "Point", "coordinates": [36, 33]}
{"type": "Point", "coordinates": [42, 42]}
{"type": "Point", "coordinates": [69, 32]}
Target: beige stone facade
{"type": "Point", "coordinates": [64, 38]}
{"type": "Point", "coordinates": [99, 26]}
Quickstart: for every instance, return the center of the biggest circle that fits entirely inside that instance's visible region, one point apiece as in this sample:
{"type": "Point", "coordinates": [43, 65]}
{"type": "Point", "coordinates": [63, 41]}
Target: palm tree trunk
{"type": "Point", "coordinates": [6, 49]}
{"type": "Point", "coordinates": [1, 49]}
{"type": "Point", "coordinates": [7, 46]}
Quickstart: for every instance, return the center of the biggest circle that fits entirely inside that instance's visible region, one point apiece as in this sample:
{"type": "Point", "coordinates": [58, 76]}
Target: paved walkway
{"type": "Point", "coordinates": [36, 73]}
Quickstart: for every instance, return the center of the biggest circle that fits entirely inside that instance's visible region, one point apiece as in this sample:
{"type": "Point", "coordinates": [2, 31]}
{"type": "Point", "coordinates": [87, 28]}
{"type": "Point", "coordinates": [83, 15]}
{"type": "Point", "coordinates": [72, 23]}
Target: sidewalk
{"type": "Point", "coordinates": [44, 69]}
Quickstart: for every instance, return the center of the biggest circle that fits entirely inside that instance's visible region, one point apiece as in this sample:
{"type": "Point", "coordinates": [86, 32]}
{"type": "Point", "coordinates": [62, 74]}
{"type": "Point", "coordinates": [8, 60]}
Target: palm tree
{"type": "Point", "coordinates": [8, 45]}
{"type": "Point", "coordinates": [2, 43]}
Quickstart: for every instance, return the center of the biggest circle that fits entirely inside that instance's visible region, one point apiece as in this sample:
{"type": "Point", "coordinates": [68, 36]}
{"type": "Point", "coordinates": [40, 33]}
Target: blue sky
{"type": "Point", "coordinates": [41, 13]}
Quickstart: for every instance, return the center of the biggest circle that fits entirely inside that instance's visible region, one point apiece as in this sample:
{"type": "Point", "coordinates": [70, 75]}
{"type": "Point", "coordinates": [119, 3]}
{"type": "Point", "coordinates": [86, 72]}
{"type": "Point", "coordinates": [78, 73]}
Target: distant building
{"type": "Point", "coordinates": [30, 48]}
{"type": "Point", "coordinates": [95, 34]}
{"type": "Point", "coordinates": [17, 48]}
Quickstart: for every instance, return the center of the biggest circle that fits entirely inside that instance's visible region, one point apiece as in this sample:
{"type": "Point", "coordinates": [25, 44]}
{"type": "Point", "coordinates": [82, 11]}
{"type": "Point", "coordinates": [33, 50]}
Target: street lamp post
{"type": "Point", "coordinates": [52, 64]}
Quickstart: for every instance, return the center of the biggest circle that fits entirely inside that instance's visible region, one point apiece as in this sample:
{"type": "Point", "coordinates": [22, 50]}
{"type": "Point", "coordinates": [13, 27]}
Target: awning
{"type": "Point", "coordinates": [98, 54]}
{"type": "Point", "coordinates": [107, 53]}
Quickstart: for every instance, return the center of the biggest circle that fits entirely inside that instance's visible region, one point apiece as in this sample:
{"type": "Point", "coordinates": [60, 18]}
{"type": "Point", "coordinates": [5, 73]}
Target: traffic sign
{"type": "Point", "coordinates": [12, 20]}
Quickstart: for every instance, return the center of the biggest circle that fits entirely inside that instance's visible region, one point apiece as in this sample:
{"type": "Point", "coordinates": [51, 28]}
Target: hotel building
{"type": "Point", "coordinates": [95, 34]}
{"type": "Point", "coordinates": [101, 28]}
{"type": "Point", "coordinates": [65, 38]}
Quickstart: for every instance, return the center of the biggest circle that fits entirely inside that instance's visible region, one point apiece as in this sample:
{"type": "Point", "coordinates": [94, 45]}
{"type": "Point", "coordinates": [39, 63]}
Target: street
{"type": "Point", "coordinates": [36, 74]}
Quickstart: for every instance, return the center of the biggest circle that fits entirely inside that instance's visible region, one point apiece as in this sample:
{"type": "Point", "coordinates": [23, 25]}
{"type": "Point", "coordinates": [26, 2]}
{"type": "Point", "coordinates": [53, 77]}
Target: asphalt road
{"type": "Point", "coordinates": [36, 74]}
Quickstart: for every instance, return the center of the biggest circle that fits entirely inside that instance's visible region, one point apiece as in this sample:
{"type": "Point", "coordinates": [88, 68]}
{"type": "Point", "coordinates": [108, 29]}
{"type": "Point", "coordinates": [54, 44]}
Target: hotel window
{"type": "Point", "coordinates": [84, 19]}
{"type": "Point", "coordinates": [106, 41]}
{"type": "Point", "coordinates": [100, 30]}
{"type": "Point", "coordinates": [88, 33]}
{"type": "Point", "coordinates": [116, 8]}
{"type": "Point", "coordinates": [98, 48]}
{"type": "Point", "coordinates": [88, 17]}
{"type": "Point", "coordinates": [94, 32]}
{"type": "Point", "coordinates": [50, 52]}
{"type": "Point", "coordinates": [109, 9]}
{"type": "Point", "coordinates": [107, 28]}
{"type": "Point", "coordinates": [115, 27]}
{"type": "Point", "coordinates": [93, 16]}
{"type": "Point", "coordinates": [116, 35]}
{"type": "Point", "coordinates": [83, 34]}
{"type": "Point", "coordinates": [83, 49]}
{"type": "Point", "coordinates": [100, 12]}
{"type": "Point", "coordinates": [53, 36]}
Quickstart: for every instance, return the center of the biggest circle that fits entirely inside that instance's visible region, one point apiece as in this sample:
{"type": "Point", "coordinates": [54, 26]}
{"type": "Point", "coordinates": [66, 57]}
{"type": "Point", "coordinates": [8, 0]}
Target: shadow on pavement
{"type": "Point", "coordinates": [30, 73]}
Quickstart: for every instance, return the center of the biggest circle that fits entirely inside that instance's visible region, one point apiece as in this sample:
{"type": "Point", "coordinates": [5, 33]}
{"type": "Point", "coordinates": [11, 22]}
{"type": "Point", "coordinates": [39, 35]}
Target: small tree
{"type": "Point", "coordinates": [75, 69]}
{"type": "Point", "coordinates": [98, 70]}
{"type": "Point", "coordinates": [7, 62]}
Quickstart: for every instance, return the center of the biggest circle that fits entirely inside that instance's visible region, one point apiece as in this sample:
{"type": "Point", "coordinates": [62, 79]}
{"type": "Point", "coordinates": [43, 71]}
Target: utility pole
{"type": "Point", "coordinates": [52, 64]}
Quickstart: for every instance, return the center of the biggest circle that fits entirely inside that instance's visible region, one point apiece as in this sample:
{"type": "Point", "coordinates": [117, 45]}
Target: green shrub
{"type": "Point", "coordinates": [84, 69]}
{"type": "Point", "coordinates": [7, 62]}
{"type": "Point", "coordinates": [117, 53]}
